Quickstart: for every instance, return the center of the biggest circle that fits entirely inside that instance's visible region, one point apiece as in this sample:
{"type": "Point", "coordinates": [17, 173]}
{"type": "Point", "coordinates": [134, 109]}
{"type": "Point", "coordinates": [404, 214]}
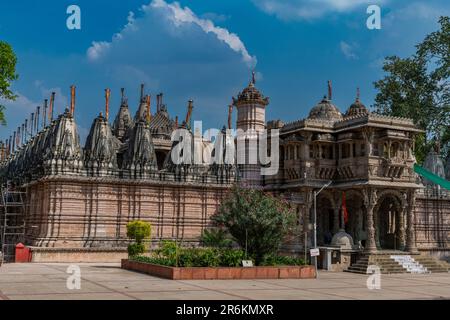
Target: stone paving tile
{"type": "Point", "coordinates": [108, 281]}
{"type": "Point", "coordinates": [151, 286]}
{"type": "Point", "coordinates": [73, 296]}
{"type": "Point", "coordinates": [437, 291]}
{"type": "Point", "coordinates": [366, 294]}
{"type": "Point", "coordinates": [234, 284]}
{"type": "Point", "coordinates": [284, 294]}
{"type": "Point", "coordinates": [184, 295]}
{"type": "Point", "coordinates": [48, 287]}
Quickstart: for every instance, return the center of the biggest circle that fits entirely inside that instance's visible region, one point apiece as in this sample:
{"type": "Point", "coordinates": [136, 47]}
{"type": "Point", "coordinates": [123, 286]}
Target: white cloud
{"type": "Point", "coordinates": [97, 49]}
{"type": "Point", "coordinates": [179, 17]}
{"type": "Point", "coordinates": [309, 9]}
{"type": "Point", "coordinates": [348, 50]}
{"type": "Point", "coordinates": [21, 104]}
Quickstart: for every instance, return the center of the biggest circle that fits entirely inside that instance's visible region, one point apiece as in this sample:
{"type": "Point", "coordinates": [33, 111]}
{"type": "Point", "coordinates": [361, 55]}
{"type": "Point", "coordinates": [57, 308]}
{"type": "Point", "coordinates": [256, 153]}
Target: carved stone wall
{"type": "Point", "coordinates": [89, 212]}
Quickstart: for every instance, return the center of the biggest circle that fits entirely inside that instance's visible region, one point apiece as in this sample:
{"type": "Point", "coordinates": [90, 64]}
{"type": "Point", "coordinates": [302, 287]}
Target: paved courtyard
{"type": "Point", "coordinates": [108, 281]}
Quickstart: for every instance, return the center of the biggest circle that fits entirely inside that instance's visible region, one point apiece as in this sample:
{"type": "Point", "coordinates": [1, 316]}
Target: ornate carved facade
{"type": "Point", "coordinates": [82, 197]}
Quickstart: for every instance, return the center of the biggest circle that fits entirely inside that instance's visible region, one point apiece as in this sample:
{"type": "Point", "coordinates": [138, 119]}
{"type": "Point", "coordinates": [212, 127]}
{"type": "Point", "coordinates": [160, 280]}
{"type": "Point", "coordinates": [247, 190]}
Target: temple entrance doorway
{"type": "Point", "coordinates": [356, 224]}
{"type": "Point", "coordinates": [325, 213]}
{"type": "Point", "coordinates": [389, 224]}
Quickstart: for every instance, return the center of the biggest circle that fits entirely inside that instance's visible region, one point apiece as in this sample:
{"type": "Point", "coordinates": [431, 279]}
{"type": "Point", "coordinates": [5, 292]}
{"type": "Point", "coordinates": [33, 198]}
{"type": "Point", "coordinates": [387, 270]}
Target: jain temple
{"type": "Point", "coordinates": [70, 200]}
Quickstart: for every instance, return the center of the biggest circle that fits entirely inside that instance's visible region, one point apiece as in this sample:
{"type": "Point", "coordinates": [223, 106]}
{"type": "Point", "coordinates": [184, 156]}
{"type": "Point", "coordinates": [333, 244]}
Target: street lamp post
{"type": "Point", "coordinates": [316, 193]}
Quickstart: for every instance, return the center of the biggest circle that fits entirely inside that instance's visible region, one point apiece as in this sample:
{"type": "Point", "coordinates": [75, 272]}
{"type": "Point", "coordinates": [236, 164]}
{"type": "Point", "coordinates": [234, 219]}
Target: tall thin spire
{"type": "Point", "coordinates": [330, 90]}
{"type": "Point", "coordinates": [122, 94]}
{"type": "Point", "coordinates": [14, 142]}
{"type": "Point", "coordinates": [358, 94]}
{"type": "Point", "coordinates": [142, 92]}
{"type": "Point", "coordinates": [72, 100]}
{"type": "Point", "coordinates": [44, 116]}
{"type": "Point", "coordinates": [253, 77]}
{"type": "Point", "coordinates": [50, 111]}
{"type": "Point", "coordinates": [189, 112]}
{"type": "Point", "coordinates": [149, 114]}
{"type": "Point", "coordinates": [23, 134]}
{"type": "Point", "coordinates": [38, 111]}
{"type": "Point", "coordinates": [26, 130]}
{"type": "Point", "coordinates": [230, 114]}
{"type": "Point", "coordinates": [32, 123]}
{"type": "Point", "coordinates": [107, 95]}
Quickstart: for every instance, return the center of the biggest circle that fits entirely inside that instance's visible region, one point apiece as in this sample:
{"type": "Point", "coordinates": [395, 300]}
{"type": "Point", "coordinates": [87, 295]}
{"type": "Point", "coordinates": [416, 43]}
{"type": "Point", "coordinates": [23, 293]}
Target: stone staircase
{"type": "Point", "coordinates": [399, 262]}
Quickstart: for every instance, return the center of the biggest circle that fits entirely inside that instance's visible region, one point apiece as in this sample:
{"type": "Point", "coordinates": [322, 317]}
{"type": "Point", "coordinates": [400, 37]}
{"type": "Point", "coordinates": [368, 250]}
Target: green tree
{"type": "Point", "coordinates": [417, 87]}
{"type": "Point", "coordinates": [8, 61]}
{"type": "Point", "coordinates": [138, 231]}
{"type": "Point", "coordinates": [257, 221]}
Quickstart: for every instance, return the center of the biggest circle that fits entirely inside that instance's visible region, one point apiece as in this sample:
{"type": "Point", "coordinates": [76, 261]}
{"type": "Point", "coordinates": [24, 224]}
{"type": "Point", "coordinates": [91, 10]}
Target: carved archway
{"type": "Point", "coordinates": [325, 218]}
{"type": "Point", "coordinates": [357, 221]}
{"type": "Point", "coordinates": [389, 220]}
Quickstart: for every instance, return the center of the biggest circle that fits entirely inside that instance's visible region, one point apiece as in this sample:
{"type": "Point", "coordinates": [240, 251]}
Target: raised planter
{"type": "Point", "coordinates": [221, 273]}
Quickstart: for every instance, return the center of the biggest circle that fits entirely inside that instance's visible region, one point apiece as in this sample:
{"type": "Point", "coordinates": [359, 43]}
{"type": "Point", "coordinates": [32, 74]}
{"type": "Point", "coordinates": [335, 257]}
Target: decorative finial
{"type": "Point", "coordinates": [142, 92]}
{"type": "Point", "coordinates": [253, 77]}
{"type": "Point", "coordinates": [330, 90]}
{"type": "Point", "coordinates": [149, 114]}
{"type": "Point", "coordinates": [107, 95]}
{"type": "Point", "coordinates": [45, 112]}
{"type": "Point", "coordinates": [230, 114]}
{"type": "Point", "coordinates": [122, 95]}
{"type": "Point", "coordinates": [72, 100]}
{"type": "Point", "coordinates": [51, 107]}
{"type": "Point", "coordinates": [358, 94]}
{"type": "Point", "coordinates": [189, 112]}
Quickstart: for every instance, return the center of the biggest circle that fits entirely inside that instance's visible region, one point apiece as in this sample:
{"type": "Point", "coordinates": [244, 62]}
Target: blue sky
{"type": "Point", "coordinates": [205, 50]}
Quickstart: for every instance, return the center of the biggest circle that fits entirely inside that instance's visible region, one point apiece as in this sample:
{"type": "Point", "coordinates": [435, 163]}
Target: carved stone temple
{"type": "Point", "coordinates": [79, 197]}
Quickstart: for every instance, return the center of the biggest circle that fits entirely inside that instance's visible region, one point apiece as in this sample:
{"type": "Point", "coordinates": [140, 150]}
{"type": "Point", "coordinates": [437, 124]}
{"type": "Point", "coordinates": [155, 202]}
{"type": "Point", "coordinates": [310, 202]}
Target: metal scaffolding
{"type": "Point", "coordinates": [12, 221]}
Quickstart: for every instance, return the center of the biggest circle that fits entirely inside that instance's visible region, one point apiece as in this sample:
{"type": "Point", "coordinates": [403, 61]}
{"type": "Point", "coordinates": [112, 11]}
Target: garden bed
{"type": "Point", "coordinates": [220, 273]}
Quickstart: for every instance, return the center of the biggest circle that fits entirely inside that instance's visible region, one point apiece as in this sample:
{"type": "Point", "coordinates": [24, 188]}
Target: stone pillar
{"type": "Point", "coordinates": [410, 233]}
{"type": "Point", "coordinates": [370, 200]}
{"type": "Point", "coordinates": [336, 225]}
{"type": "Point", "coordinates": [376, 222]}
{"type": "Point", "coordinates": [401, 228]}
{"type": "Point", "coordinates": [307, 212]}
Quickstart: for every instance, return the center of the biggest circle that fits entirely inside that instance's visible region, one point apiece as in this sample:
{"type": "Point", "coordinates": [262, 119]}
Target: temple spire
{"type": "Point", "coordinates": [358, 94]}
{"type": "Point", "coordinates": [72, 100]}
{"type": "Point", "coordinates": [230, 114]}
{"type": "Point", "coordinates": [148, 113]}
{"type": "Point", "coordinates": [253, 77]}
{"type": "Point", "coordinates": [38, 111]}
{"type": "Point", "coordinates": [107, 95]}
{"type": "Point", "coordinates": [44, 117]}
{"type": "Point", "coordinates": [51, 107]}
{"type": "Point", "coordinates": [189, 113]}
{"type": "Point", "coordinates": [142, 92]}
{"type": "Point", "coordinates": [330, 90]}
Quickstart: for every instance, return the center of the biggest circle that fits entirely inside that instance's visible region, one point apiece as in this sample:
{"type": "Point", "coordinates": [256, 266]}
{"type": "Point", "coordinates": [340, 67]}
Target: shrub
{"type": "Point", "coordinates": [275, 260]}
{"type": "Point", "coordinates": [231, 257]}
{"type": "Point", "coordinates": [139, 230]}
{"type": "Point", "coordinates": [135, 249]}
{"type": "Point", "coordinates": [216, 238]}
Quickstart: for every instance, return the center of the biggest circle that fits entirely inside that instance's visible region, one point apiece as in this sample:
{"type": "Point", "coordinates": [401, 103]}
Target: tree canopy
{"type": "Point", "coordinates": [418, 87]}
{"type": "Point", "coordinates": [8, 61]}
{"type": "Point", "coordinates": [256, 220]}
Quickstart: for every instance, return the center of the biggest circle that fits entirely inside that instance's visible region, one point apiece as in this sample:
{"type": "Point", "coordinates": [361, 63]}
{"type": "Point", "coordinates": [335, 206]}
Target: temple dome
{"type": "Point", "coordinates": [357, 109]}
{"type": "Point", "coordinates": [435, 165]}
{"type": "Point", "coordinates": [250, 95]}
{"type": "Point", "coordinates": [325, 110]}
{"type": "Point", "coordinates": [343, 240]}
